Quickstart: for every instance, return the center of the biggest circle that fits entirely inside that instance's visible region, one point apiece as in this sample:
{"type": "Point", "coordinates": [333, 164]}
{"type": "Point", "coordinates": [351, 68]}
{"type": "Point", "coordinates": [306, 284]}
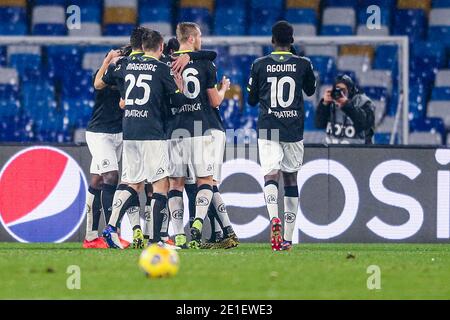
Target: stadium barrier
{"type": "Point", "coordinates": [347, 194]}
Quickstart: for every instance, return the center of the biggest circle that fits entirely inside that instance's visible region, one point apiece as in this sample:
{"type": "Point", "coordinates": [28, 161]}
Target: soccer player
{"type": "Point", "coordinates": [149, 86]}
{"type": "Point", "coordinates": [110, 75]}
{"type": "Point", "coordinates": [104, 139]}
{"type": "Point", "coordinates": [191, 145]}
{"type": "Point", "coordinates": [276, 83]}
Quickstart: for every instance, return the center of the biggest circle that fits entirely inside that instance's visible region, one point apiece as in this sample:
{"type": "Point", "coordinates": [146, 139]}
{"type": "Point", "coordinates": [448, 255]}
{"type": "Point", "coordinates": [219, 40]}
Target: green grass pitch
{"type": "Point", "coordinates": [251, 271]}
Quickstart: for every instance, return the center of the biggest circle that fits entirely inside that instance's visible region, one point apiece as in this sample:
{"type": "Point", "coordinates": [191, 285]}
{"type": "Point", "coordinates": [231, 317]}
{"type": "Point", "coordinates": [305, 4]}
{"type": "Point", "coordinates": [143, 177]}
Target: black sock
{"type": "Point", "coordinates": [212, 215]}
{"type": "Point", "coordinates": [96, 207]}
{"type": "Point", "coordinates": [107, 200]}
{"type": "Point", "coordinates": [191, 191]}
{"type": "Point", "coordinates": [159, 204]}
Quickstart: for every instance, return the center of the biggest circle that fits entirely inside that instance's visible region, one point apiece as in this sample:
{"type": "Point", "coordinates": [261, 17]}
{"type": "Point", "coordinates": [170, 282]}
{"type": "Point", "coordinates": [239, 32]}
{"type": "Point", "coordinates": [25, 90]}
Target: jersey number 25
{"type": "Point", "coordinates": [140, 83]}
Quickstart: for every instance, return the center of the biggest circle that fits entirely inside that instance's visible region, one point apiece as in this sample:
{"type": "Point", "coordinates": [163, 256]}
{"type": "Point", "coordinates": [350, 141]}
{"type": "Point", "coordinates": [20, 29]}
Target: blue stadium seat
{"type": "Point", "coordinates": [380, 3]}
{"type": "Point", "coordinates": [200, 16]}
{"type": "Point", "coordinates": [9, 92]}
{"type": "Point", "coordinates": [411, 22]}
{"type": "Point", "coordinates": [23, 62]}
{"type": "Point", "coordinates": [230, 22]}
{"type": "Point", "coordinates": [326, 68]}
{"type": "Point", "coordinates": [434, 49]}
{"type": "Point", "coordinates": [49, 29]}
{"type": "Point", "coordinates": [441, 4]}
{"type": "Point", "coordinates": [79, 85]}
{"type": "Point", "coordinates": [261, 21]}
{"type": "Point", "coordinates": [235, 4]}
{"type": "Point", "coordinates": [13, 21]}
{"type": "Point", "coordinates": [376, 93]}
{"type": "Point", "coordinates": [155, 14]}
{"type": "Point", "coordinates": [2, 56]}
{"type": "Point", "coordinates": [118, 29]}
{"type": "Point", "coordinates": [301, 16]}
{"type": "Point", "coordinates": [428, 125]}
{"type": "Point", "coordinates": [339, 3]}
{"type": "Point", "coordinates": [63, 59]}
{"type": "Point", "coordinates": [336, 30]}
{"type": "Point", "coordinates": [383, 138]}
{"type": "Point", "coordinates": [441, 94]}
{"type": "Point", "coordinates": [267, 4]}
{"type": "Point", "coordinates": [309, 115]}
{"type": "Point", "coordinates": [439, 33]}
{"type": "Point", "coordinates": [386, 58]}
{"type": "Point", "coordinates": [155, 3]}
{"type": "Point", "coordinates": [51, 2]}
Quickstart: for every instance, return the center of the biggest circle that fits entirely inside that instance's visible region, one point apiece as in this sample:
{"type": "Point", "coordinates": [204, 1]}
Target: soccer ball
{"type": "Point", "coordinates": [159, 262]}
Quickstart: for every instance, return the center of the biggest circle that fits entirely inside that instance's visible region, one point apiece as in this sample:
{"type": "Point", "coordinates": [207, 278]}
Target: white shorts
{"type": "Point", "coordinates": [284, 156]}
{"type": "Point", "coordinates": [193, 153]}
{"type": "Point", "coordinates": [219, 141]}
{"type": "Point", "coordinates": [106, 150]}
{"type": "Point", "coordinates": [145, 161]}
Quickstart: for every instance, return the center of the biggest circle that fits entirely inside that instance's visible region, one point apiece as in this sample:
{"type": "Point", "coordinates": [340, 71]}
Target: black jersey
{"type": "Point", "coordinates": [214, 119]}
{"type": "Point", "coordinates": [277, 82]}
{"type": "Point", "coordinates": [107, 115]}
{"type": "Point", "coordinates": [148, 89]}
{"type": "Point", "coordinates": [199, 76]}
{"type": "Point", "coordinates": [113, 75]}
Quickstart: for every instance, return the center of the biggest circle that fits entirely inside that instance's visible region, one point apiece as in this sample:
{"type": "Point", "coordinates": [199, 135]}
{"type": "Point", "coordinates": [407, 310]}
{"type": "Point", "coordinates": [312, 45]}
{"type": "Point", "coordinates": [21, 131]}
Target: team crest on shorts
{"type": "Point", "coordinates": [105, 163]}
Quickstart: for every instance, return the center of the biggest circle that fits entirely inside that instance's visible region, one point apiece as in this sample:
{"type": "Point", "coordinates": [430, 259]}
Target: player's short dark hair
{"type": "Point", "coordinates": [136, 38]}
{"type": "Point", "coordinates": [282, 34]}
{"type": "Point", "coordinates": [186, 29]}
{"type": "Point", "coordinates": [171, 46]}
{"type": "Point", "coordinates": [151, 40]}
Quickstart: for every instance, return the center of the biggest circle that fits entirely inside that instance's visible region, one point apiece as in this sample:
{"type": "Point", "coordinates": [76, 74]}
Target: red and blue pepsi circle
{"type": "Point", "coordinates": [42, 195]}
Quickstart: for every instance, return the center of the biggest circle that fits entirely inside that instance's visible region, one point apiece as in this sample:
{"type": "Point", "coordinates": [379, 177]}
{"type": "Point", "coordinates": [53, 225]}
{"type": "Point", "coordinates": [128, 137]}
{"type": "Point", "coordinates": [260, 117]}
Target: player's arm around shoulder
{"type": "Point", "coordinates": [99, 81]}
{"type": "Point", "coordinates": [309, 78]}
{"type": "Point", "coordinates": [173, 85]}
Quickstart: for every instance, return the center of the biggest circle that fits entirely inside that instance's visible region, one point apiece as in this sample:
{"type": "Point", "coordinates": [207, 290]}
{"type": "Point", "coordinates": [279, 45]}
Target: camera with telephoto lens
{"type": "Point", "coordinates": [336, 93]}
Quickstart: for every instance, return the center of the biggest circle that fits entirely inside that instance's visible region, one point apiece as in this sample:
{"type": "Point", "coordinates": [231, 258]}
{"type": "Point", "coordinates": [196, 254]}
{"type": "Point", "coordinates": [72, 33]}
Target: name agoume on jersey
{"type": "Point", "coordinates": [276, 83]}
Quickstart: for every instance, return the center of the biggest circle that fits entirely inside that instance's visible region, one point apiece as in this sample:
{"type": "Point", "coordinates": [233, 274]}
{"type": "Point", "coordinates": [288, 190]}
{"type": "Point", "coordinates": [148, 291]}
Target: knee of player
{"type": "Point", "coordinates": [176, 184]}
{"type": "Point", "coordinates": [161, 186]}
{"type": "Point", "coordinates": [205, 180]}
{"type": "Point", "coordinates": [96, 181]}
{"type": "Point", "coordinates": [290, 178]}
{"type": "Point", "coordinates": [111, 178]}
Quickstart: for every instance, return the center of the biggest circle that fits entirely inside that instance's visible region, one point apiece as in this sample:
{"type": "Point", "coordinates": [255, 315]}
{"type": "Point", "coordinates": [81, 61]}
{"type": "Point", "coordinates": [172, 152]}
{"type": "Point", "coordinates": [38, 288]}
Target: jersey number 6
{"type": "Point", "coordinates": [140, 84]}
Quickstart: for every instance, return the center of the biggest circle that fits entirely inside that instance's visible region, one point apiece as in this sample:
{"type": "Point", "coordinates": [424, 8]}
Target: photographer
{"type": "Point", "coordinates": [346, 114]}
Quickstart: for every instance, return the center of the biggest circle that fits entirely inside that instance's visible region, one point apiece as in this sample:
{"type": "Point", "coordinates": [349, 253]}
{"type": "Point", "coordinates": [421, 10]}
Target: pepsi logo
{"type": "Point", "coordinates": [42, 195]}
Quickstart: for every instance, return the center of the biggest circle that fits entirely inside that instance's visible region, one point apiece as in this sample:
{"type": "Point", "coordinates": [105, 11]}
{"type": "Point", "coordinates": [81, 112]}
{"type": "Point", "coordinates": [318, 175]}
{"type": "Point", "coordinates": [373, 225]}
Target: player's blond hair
{"type": "Point", "coordinates": [185, 30]}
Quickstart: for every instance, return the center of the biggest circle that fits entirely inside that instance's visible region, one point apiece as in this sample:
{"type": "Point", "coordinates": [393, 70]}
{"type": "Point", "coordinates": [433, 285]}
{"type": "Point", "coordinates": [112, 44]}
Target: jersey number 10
{"type": "Point", "coordinates": [277, 89]}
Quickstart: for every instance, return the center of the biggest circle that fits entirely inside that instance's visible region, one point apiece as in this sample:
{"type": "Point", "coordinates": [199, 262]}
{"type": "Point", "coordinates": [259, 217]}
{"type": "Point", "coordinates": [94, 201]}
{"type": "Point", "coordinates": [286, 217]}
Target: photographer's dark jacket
{"type": "Point", "coordinates": [354, 123]}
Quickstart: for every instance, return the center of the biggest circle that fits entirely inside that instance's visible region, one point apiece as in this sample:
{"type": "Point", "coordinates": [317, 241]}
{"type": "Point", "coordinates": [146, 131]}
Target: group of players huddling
{"type": "Point", "coordinates": [157, 108]}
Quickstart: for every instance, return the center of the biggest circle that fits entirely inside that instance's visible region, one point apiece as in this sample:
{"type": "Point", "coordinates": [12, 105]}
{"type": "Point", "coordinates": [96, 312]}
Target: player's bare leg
{"type": "Point", "coordinates": [271, 196]}
{"type": "Point", "coordinates": [176, 209]}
